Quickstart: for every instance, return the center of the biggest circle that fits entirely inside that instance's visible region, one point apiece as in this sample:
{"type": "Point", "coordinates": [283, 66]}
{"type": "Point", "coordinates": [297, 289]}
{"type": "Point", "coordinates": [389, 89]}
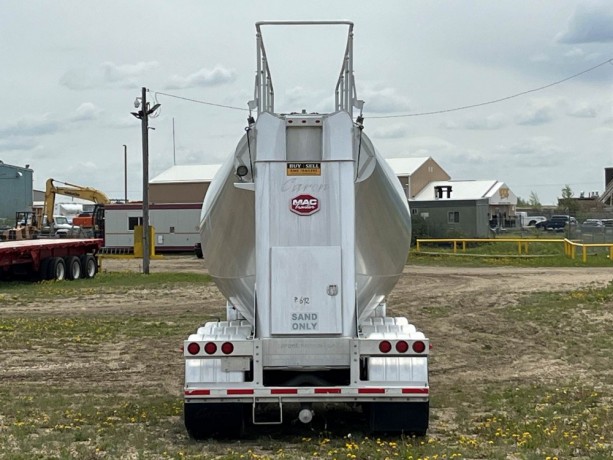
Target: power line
{"type": "Point", "coordinates": [506, 98]}
{"type": "Point", "coordinates": [200, 102]}
{"type": "Point", "coordinates": [419, 114]}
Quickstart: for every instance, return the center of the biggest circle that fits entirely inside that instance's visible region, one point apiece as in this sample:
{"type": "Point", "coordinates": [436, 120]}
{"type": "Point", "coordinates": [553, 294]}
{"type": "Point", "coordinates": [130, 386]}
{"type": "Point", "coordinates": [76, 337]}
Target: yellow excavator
{"type": "Point", "coordinates": [93, 222]}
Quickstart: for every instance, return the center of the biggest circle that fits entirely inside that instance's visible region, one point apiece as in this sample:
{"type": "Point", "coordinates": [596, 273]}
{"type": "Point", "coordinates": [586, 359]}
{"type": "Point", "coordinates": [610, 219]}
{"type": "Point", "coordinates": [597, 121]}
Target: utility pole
{"type": "Point", "coordinates": [125, 172]}
{"type": "Point", "coordinates": [174, 155]}
{"type": "Point", "coordinates": [143, 115]}
{"type": "Point", "coordinates": [145, 133]}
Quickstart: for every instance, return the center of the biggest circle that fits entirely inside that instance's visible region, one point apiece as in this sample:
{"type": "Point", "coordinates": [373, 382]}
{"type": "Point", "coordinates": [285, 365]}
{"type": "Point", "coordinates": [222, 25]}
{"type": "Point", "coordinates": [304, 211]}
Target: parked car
{"type": "Point", "coordinates": [593, 223]}
{"type": "Point", "coordinates": [607, 222]}
{"type": "Point", "coordinates": [533, 220]}
{"type": "Point", "coordinates": [557, 223]}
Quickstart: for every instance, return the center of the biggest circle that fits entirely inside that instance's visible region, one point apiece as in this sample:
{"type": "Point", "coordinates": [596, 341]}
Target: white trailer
{"type": "Point", "coordinates": [305, 230]}
{"type": "Point", "coordinates": [176, 225]}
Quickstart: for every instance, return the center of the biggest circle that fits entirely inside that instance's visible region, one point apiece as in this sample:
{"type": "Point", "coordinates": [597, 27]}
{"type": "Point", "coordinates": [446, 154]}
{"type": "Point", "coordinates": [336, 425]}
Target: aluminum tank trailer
{"type": "Point", "coordinates": [305, 230]}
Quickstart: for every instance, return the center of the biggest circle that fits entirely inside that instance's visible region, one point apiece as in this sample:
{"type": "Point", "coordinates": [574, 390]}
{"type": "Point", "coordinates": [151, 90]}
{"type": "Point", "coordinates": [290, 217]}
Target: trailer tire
{"type": "Point", "coordinates": [73, 267]}
{"type": "Point", "coordinates": [214, 420]}
{"type": "Point", "coordinates": [56, 269]}
{"type": "Point", "coordinates": [407, 418]}
{"type": "Point", "coordinates": [43, 270]}
{"type": "Point", "coordinates": [89, 266]}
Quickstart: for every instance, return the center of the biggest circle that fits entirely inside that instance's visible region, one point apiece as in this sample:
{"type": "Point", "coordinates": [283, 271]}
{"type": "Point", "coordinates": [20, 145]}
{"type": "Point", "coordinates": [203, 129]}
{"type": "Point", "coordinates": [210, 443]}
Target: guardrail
{"type": "Point", "coordinates": [522, 243]}
{"type": "Point", "coordinates": [570, 247]}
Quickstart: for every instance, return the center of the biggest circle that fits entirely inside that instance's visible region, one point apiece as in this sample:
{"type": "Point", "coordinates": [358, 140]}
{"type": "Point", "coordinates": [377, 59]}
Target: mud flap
{"type": "Point", "coordinates": [214, 420]}
{"type": "Point", "coordinates": [407, 418]}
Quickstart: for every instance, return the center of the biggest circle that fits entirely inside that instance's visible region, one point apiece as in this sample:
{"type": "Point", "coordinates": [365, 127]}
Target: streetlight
{"type": "Point", "coordinates": [143, 116]}
{"type": "Point", "coordinates": [125, 172]}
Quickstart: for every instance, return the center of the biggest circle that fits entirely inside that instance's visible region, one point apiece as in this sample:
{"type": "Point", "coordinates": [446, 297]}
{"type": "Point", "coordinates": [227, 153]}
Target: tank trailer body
{"type": "Point", "coordinates": [305, 230]}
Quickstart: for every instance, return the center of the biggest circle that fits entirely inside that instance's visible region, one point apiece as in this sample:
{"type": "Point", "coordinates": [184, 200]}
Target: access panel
{"type": "Point", "coordinates": [306, 296]}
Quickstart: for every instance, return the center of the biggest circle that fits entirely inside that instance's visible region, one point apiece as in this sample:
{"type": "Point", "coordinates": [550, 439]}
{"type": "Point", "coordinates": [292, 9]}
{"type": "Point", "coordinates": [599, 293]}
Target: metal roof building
{"type": "Point", "coordinates": [497, 193]}
{"type": "Point", "coordinates": [182, 184]}
{"type": "Point", "coordinates": [465, 207]}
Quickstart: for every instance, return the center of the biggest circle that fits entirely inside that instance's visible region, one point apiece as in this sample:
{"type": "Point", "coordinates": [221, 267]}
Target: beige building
{"type": "Point", "coordinates": [415, 173]}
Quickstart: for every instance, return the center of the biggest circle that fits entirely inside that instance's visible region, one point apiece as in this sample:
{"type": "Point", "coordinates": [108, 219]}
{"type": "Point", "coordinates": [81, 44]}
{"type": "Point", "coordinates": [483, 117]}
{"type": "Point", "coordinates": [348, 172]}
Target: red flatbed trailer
{"type": "Point", "coordinates": [48, 259]}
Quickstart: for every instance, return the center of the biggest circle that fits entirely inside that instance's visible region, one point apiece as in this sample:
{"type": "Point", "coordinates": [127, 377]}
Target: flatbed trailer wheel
{"type": "Point", "coordinates": [214, 420]}
{"type": "Point", "coordinates": [56, 269]}
{"type": "Point", "coordinates": [73, 267]}
{"type": "Point", "coordinates": [407, 418]}
{"type": "Point", "coordinates": [89, 266]}
{"type": "Point", "coordinates": [43, 270]}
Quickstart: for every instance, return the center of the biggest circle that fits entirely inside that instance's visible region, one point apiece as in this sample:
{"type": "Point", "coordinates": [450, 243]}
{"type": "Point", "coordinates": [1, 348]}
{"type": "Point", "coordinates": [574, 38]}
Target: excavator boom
{"type": "Point", "coordinates": [67, 189]}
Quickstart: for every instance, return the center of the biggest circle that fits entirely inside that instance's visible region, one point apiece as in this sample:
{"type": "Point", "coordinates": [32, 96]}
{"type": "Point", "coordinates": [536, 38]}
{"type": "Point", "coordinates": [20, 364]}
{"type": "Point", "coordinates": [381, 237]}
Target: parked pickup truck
{"type": "Point", "coordinates": [557, 223]}
{"type": "Point", "coordinates": [529, 221]}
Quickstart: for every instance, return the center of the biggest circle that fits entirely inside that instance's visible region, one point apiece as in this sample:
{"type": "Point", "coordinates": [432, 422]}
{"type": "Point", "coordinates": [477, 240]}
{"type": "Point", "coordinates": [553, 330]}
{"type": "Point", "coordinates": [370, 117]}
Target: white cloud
{"type": "Point", "coordinates": [83, 167]}
{"type": "Point", "coordinates": [443, 151]}
{"type": "Point", "coordinates": [86, 112]}
{"type": "Point", "coordinates": [17, 143]}
{"type": "Point", "coordinates": [534, 151]}
{"type": "Point", "coordinates": [298, 97]}
{"type": "Point", "coordinates": [107, 75]}
{"type": "Point", "coordinates": [449, 124]}
{"type": "Point", "coordinates": [592, 22]}
{"type": "Point", "coordinates": [384, 100]}
{"type": "Point", "coordinates": [394, 131]}
{"type": "Point", "coordinates": [583, 110]}
{"type": "Point", "coordinates": [538, 112]}
{"type": "Point", "coordinates": [575, 52]}
{"type": "Point", "coordinates": [490, 122]}
{"type": "Point", "coordinates": [540, 57]}
{"type": "Point", "coordinates": [31, 126]}
{"type": "Point", "coordinates": [219, 75]}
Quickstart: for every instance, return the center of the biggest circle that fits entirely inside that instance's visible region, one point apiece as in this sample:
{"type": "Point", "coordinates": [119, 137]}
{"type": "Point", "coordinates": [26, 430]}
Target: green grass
{"type": "Point", "coordinates": [74, 412]}
{"type": "Point", "coordinates": [103, 282]}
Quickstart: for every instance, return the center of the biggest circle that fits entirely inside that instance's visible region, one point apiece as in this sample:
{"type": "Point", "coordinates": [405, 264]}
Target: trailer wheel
{"type": "Point", "coordinates": [43, 270]}
{"type": "Point", "coordinates": [218, 420]}
{"type": "Point", "coordinates": [56, 269]}
{"type": "Point", "coordinates": [89, 266]}
{"type": "Point", "coordinates": [408, 418]}
{"type": "Point", "coordinates": [73, 267]}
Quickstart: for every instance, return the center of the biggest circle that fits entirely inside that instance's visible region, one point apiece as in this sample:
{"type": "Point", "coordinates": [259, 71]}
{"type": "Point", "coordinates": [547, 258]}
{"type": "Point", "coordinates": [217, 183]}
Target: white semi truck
{"type": "Point", "coordinates": [305, 230]}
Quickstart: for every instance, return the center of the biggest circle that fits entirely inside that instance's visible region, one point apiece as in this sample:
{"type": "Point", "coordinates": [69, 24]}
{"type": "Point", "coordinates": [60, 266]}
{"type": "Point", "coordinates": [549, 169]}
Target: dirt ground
{"type": "Point", "coordinates": [455, 307]}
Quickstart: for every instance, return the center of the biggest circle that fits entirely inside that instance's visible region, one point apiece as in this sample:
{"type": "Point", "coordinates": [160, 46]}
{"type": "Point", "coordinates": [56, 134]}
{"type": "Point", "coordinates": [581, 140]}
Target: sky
{"type": "Point", "coordinates": [72, 69]}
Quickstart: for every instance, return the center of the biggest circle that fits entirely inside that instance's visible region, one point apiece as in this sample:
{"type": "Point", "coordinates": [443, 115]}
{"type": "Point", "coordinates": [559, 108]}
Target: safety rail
{"type": "Point", "coordinates": [522, 243]}
{"type": "Point", "coordinates": [570, 247]}
{"type": "Point", "coordinates": [345, 92]}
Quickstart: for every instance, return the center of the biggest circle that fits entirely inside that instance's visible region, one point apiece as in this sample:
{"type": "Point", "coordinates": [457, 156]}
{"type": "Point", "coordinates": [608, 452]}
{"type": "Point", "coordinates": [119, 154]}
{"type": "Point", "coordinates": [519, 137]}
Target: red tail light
{"type": "Point", "coordinates": [193, 348]}
{"type": "Point", "coordinates": [402, 346]}
{"type": "Point", "coordinates": [419, 346]}
{"type": "Point", "coordinates": [385, 347]}
{"type": "Point", "coordinates": [227, 348]}
{"type": "Point", "coordinates": [210, 348]}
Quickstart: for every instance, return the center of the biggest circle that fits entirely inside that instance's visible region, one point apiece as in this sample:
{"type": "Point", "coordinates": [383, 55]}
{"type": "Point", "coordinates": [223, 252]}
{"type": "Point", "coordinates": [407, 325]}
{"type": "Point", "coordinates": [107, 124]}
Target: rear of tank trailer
{"type": "Point", "coordinates": [305, 231]}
